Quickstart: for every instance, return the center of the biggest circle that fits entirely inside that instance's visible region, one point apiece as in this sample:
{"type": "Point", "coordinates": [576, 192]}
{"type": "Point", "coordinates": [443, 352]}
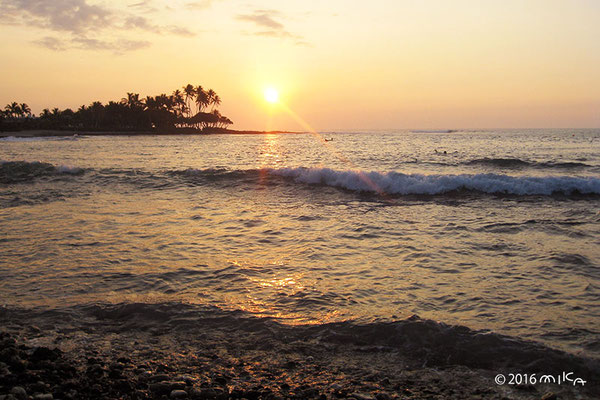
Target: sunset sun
{"type": "Point", "coordinates": [271, 95]}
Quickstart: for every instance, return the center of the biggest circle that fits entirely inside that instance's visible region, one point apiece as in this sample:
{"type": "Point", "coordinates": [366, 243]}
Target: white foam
{"type": "Point", "coordinates": [398, 183]}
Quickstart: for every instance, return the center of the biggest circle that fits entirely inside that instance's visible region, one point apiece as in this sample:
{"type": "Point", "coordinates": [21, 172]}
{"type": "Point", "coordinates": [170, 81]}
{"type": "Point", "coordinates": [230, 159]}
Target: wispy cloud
{"type": "Point", "coordinates": [116, 46]}
{"type": "Point", "coordinates": [199, 5]}
{"type": "Point", "coordinates": [263, 18]}
{"type": "Point", "coordinates": [85, 24]}
{"type": "Point", "coordinates": [145, 6]}
{"type": "Point", "coordinates": [267, 21]}
{"type": "Point", "coordinates": [51, 43]}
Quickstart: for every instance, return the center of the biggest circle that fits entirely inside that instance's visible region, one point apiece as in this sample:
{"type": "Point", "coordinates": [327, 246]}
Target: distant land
{"type": "Point", "coordinates": [189, 110]}
{"type": "Point", "coordinates": [176, 131]}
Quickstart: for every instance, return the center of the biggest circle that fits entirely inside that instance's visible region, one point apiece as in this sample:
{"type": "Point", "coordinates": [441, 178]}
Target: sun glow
{"type": "Point", "coordinates": [271, 95]}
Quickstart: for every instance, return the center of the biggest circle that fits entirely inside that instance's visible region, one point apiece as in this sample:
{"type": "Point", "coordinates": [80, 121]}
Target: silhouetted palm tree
{"type": "Point", "coordinates": [25, 110]}
{"type": "Point", "coordinates": [130, 113]}
{"type": "Point", "coordinates": [201, 98]}
{"type": "Point", "coordinates": [190, 93]}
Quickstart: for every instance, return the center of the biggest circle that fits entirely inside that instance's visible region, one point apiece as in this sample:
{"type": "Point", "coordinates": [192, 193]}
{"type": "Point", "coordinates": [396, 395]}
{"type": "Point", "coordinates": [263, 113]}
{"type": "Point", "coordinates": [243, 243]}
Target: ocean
{"type": "Point", "coordinates": [495, 230]}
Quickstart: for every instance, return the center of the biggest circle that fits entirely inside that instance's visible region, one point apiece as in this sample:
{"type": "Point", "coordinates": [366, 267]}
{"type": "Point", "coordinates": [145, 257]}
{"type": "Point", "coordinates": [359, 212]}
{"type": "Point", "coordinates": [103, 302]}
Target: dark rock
{"type": "Point", "coordinates": [221, 380]}
{"type": "Point", "coordinates": [310, 393]}
{"type": "Point", "coordinates": [549, 396]}
{"type": "Point", "coordinates": [158, 378]}
{"type": "Point", "coordinates": [361, 396]}
{"type": "Point", "coordinates": [526, 388]}
{"type": "Point", "coordinates": [95, 370]}
{"type": "Point", "coordinates": [115, 374]}
{"type": "Point", "coordinates": [44, 396]}
{"type": "Point", "coordinates": [161, 388]}
{"type": "Point", "coordinates": [44, 353]}
{"type": "Point", "coordinates": [19, 392]}
{"type": "Point", "coordinates": [123, 386]}
{"type": "Point", "coordinates": [178, 394]}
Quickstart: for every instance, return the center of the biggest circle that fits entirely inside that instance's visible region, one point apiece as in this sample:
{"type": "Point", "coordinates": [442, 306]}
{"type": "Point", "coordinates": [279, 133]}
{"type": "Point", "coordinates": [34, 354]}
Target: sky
{"type": "Point", "coordinates": [337, 64]}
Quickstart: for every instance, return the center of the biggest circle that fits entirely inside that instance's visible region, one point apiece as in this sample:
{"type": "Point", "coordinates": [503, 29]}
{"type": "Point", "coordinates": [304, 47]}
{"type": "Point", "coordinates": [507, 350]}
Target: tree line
{"type": "Point", "coordinates": [191, 108]}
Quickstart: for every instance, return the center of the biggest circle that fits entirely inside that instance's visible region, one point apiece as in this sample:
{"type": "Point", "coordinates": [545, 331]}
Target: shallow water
{"type": "Point", "coordinates": [491, 229]}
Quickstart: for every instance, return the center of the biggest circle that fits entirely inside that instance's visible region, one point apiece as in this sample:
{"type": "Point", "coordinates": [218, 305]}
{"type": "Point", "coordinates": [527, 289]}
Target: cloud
{"type": "Point", "coordinates": [118, 46]}
{"type": "Point", "coordinates": [85, 23]}
{"type": "Point", "coordinates": [51, 43]}
{"type": "Point", "coordinates": [262, 18]}
{"type": "Point", "coordinates": [75, 16]}
{"type": "Point", "coordinates": [83, 43]}
{"type": "Point", "coordinates": [143, 6]}
{"type": "Point", "coordinates": [266, 21]}
{"type": "Point", "coordinates": [199, 5]}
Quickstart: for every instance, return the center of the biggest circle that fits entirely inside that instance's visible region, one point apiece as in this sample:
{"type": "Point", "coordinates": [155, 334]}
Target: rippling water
{"type": "Point", "coordinates": [493, 229]}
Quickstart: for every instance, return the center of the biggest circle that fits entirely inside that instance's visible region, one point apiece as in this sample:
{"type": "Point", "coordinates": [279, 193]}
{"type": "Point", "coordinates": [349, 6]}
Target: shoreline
{"type": "Point", "coordinates": [187, 132]}
{"type": "Point", "coordinates": [141, 351]}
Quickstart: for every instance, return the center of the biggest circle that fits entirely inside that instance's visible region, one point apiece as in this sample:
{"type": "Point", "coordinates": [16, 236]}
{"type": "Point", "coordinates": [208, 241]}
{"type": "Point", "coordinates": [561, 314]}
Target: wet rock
{"type": "Point", "coordinates": [310, 393]}
{"type": "Point", "coordinates": [209, 394]}
{"type": "Point", "coordinates": [44, 353]}
{"type": "Point", "coordinates": [45, 396]}
{"type": "Point", "coordinates": [284, 386]}
{"type": "Point", "coordinates": [178, 394]}
{"type": "Point", "coordinates": [123, 386]}
{"type": "Point", "coordinates": [335, 387]}
{"type": "Point", "coordinates": [39, 386]}
{"type": "Point", "coordinates": [95, 370]}
{"type": "Point", "coordinates": [158, 378]}
{"type": "Point", "coordinates": [361, 396]}
{"type": "Point", "coordinates": [19, 392]}
{"type": "Point", "coordinates": [115, 374]}
{"type": "Point", "coordinates": [185, 378]}
{"type": "Point", "coordinates": [160, 388]}
{"type": "Point", "coordinates": [221, 380]}
{"type": "Point", "coordinates": [549, 396]}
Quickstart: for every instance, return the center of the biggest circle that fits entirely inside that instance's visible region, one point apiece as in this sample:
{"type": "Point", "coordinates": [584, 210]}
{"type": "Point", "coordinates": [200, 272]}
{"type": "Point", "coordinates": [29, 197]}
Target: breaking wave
{"type": "Point", "coordinates": [23, 171]}
{"type": "Point", "coordinates": [417, 184]}
{"type": "Point", "coordinates": [391, 183]}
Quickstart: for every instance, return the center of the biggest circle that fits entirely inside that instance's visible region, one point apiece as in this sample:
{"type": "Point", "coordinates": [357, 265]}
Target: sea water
{"type": "Point", "coordinates": [494, 229]}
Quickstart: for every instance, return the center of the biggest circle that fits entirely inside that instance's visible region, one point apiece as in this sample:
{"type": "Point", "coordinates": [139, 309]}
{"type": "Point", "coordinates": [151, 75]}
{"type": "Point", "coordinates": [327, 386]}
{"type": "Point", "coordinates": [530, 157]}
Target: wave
{"type": "Point", "coordinates": [434, 344]}
{"type": "Point", "coordinates": [518, 163]}
{"type": "Point", "coordinates": [390, 183]}
{"type": "Point", "coordinates": [24, 171]}
{"type": "Point", "coordinates": [38, 138]}
{"type": "Point", "coordinates": [416, 184]}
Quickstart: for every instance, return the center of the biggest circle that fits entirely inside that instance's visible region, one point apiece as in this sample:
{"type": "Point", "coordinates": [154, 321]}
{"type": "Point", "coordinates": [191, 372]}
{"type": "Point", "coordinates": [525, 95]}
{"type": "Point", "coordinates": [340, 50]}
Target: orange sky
{"type": "Point", "coordinates": [338, 64]}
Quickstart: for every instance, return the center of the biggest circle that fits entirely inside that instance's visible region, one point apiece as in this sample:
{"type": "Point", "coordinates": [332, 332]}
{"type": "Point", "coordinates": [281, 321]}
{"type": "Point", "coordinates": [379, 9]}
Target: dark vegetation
{"type": "Point", "coordinates": [191, 109]}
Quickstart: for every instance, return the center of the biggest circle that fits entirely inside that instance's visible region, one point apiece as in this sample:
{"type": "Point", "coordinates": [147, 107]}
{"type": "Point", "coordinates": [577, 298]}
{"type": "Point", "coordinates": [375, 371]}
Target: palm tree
{"type": "Point", "coordinates": [210, 95]}
{"type": "Point", "coordinates": [189, 92]}
{"type": "Point", "coordinates": [132, 100]}
{"type": "Point", "coordinates": [13, 110]}
{"type": "Point", "coordinates": [216, 101]}
{"type": "Point", "coordinates": [201, 98]}
{"type": "Point", "coordinates": [180, 107]}
{"type": "Point", "coordinates": [25, 110]}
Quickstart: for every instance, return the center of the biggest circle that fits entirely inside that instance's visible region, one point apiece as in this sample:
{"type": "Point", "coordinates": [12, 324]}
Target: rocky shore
{"type": "Point", "coordinates": [120, 355]}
